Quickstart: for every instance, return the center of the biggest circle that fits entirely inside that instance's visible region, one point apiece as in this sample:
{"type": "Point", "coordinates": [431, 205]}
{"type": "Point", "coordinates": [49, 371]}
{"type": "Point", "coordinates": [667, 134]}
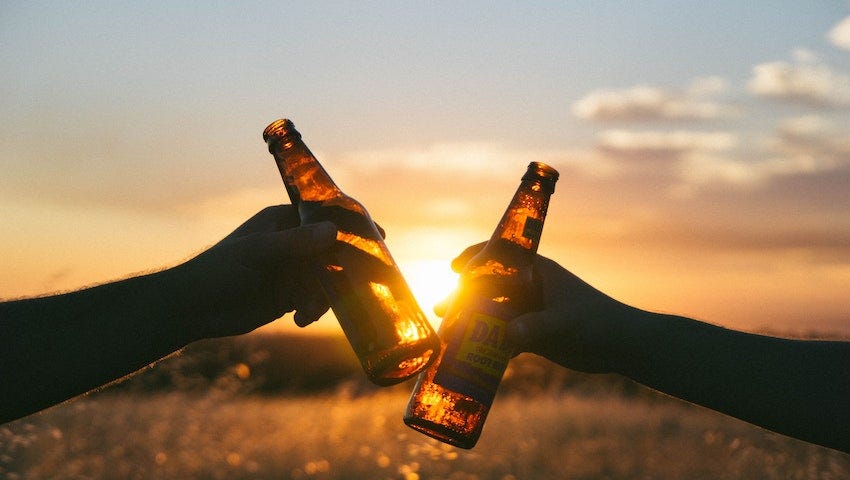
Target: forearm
{"type": "Point", "coordinates": [61, 346]}
{"type": "Point", "coordinates": [795, 387]}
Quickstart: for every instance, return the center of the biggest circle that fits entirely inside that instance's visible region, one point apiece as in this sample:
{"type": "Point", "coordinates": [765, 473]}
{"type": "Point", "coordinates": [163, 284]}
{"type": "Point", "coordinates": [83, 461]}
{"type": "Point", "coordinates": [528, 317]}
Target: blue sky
{"type": "Point", "coordinates": [704, 147]}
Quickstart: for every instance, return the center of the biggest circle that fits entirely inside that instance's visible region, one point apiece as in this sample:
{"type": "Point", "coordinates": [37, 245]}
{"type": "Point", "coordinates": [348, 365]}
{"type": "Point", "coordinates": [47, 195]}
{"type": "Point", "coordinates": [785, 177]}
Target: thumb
{"type": "Point", "coordinates": [262, 249]}
{"type": "Point", "coordinates": [460, 261]}
{"type": "Point", "coordinates": [306, 240]}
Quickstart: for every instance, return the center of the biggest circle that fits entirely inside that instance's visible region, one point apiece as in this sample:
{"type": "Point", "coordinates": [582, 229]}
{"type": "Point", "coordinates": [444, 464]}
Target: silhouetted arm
{"type": "Point", "coordinates": [54, 348]}
{"type": "Point", "coordinates": [800, 388]}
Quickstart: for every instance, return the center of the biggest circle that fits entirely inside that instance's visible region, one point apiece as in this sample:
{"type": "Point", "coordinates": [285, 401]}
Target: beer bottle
{"type": "Point", "coordinates": [452, 397]}
{"type": "Point", "coordinates": [380, 317]}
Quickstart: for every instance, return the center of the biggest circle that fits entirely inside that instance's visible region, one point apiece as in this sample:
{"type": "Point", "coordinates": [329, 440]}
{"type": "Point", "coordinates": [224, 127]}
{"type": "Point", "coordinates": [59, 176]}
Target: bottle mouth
{"type": "Point", "coordinates": [280, 128]}
{"type": "Point", "coordinates": [542, 171]}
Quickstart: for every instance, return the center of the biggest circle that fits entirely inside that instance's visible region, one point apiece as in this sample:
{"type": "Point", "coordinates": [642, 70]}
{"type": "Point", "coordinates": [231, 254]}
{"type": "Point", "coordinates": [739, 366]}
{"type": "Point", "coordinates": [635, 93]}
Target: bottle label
{"type": "Point", "coordinates": [532, 229]}
{"type": "Point", "coordinates": [476, 357]}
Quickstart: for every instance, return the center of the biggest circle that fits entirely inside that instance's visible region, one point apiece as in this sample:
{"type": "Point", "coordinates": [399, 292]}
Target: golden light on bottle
{"type": "Point", "coordinates": [452, 397]}
{"type": "Point", "coordinates": [377, 312]}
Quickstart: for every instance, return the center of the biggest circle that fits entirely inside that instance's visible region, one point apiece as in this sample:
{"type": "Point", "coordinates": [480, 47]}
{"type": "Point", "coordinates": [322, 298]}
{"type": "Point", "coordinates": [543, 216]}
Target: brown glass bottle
{"type": "Point", "coordinates": [379, 315]}
{"type": "Point", "coordinates": [452, 397]}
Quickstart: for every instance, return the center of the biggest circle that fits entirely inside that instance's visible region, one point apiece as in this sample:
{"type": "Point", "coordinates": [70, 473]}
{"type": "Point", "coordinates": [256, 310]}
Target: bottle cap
{"type": "Point", "coordinates": [280, 128]}
{"type": "Point", "coordinates": [541, 171]}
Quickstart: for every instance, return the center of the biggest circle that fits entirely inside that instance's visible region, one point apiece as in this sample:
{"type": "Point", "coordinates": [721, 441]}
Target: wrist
{"type": "Point", "coordinates": [174, 288]}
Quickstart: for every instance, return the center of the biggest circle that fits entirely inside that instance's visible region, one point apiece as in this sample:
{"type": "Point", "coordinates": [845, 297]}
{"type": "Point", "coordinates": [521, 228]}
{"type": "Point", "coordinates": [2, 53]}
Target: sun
{"type": "Point", "coordinates": [431, 281]}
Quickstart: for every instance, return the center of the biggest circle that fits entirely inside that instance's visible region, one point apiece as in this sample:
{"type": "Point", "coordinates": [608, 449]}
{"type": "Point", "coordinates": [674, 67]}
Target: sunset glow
{"type": "Point", "coordinates": [704, 157]}
{"type": "Point", "coordinates": [431, 282]}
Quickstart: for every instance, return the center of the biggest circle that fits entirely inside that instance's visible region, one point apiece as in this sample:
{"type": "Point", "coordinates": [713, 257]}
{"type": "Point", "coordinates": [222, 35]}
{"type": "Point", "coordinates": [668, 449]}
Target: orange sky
{"type": "Point", "coordinates": [704, 170]}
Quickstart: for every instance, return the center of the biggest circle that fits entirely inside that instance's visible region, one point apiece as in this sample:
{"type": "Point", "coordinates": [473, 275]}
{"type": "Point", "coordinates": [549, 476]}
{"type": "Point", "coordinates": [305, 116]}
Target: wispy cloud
{"type": "Point", "coordinates": [641, 103]}
{"type": "Point", "coordinates": [814, 137]}
{"type": "Point", "coordinates": [490, 160]}
{"type": "Point", "coordinates": [805, 81]}
{"type": "Point", "coordinates": [662, 144]}
{"type": "Point", "coordinates": [839, 35]}
{"type": "Point", "coordinates": [700, 170]}
{"type": "Point", "coordinates": [801, 146]}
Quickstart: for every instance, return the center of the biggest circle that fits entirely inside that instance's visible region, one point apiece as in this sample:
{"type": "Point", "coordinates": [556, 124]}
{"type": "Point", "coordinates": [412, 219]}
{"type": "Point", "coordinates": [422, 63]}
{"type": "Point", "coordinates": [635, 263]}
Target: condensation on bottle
{"type": "Point", "coordinates": [368, 294]}
{"type": "Point", "coordinates": [453, 396]}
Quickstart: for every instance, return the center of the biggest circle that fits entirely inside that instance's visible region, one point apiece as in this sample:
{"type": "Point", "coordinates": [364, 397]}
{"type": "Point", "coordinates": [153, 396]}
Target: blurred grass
{"type": "Point", "coordinates": [278, 407]}
{"type": "Point", "coordinates": [272, 364]}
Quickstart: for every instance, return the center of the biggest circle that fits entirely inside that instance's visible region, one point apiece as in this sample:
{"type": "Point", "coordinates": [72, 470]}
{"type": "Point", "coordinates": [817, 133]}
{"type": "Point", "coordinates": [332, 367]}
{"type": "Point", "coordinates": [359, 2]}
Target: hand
{"type": "Point", "coordinates": [575, 327]}
{"type": "Point", "coordinates": [255, 275]}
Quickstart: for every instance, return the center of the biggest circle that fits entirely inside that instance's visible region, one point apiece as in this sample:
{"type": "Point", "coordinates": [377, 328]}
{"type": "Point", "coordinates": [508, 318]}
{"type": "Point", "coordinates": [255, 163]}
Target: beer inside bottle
{"type": "Point", "coordinates": [377, 312]}
{"type": "Point", "coordinates": [452, 397]}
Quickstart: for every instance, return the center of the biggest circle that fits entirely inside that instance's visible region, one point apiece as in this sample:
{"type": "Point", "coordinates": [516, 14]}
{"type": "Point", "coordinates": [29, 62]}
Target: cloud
{"type": "Point", "coordinates": [689, 162]}
{"type": "Point", "coordinates": [642, 103]}
{"type": "Point", "coordinates": [803, 82]}
{"type": "Point", "coordinates": [663, 144]}
{"type": "Point", "coordinates": [488, 160]}
{"type": "Point", "coordinates": [814, 139]}
{"type": "Point", "coordinates": [801, 146]}
{"type": "Point", "coordinates": [705, 169]}
{"type": "Point", "coordinates": [804, 55]}
{"type": "Point", "coordinates": [453, 185]}
{"type": "Point", "coordinates": [840, 34]}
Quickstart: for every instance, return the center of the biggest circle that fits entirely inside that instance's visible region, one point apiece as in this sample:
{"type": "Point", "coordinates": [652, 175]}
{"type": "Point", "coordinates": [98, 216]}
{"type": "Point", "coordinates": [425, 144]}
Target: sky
{"type": "Point", "coordinates": [704, 147]}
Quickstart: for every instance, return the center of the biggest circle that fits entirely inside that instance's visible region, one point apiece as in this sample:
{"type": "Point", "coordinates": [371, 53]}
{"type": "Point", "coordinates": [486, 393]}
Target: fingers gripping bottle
{"type": "Point", "coordinates": [452, 397]}
{"type": "Point", "coordinates": [379, 315]}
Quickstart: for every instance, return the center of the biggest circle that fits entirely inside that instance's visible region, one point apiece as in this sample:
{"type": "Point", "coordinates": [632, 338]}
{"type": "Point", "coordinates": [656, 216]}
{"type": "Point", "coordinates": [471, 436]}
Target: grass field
{"type": "Point", "coordinates": [225, 425]}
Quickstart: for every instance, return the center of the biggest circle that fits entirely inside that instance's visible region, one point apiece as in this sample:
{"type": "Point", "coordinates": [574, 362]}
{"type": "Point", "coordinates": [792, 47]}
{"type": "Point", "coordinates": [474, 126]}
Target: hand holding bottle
{"type": "Point", "coordinates": [574, 327]}
{"type": "Point", "coordinates": [791, 386]}
{"type": "Point", "coordinates": [58, 346]}
{"type": "Point", "coordinates": [253, 275]}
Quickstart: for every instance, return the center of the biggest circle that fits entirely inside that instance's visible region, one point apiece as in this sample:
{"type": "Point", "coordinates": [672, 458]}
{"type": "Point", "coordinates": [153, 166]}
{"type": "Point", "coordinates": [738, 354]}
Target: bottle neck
{"type": "Point", "coordinates": [503, 271]}
{"type": "Point", "coordinates": [304, 177]}
{"type": "Point", "coordinates": [522, 223]}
